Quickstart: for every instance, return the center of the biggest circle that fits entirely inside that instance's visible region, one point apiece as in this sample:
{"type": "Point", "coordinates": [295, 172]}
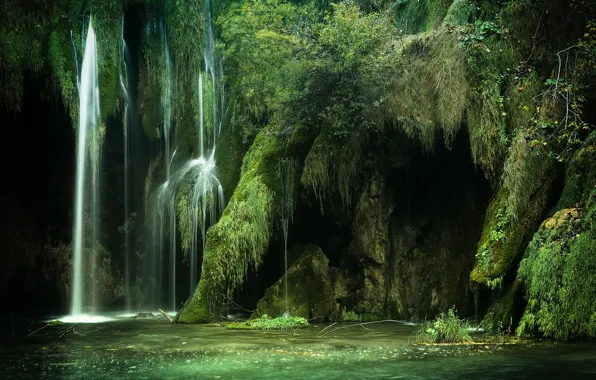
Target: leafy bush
{"type": "Point", "coordinates": [446, 328]}
{"type": "Point", "coordinates": [267, 323]}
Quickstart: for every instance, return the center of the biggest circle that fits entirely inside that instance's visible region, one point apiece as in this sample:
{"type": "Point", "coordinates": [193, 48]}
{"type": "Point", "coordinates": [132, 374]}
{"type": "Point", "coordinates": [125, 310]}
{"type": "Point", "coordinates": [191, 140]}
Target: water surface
{"type": "Point", "coordinates": [154, 348]}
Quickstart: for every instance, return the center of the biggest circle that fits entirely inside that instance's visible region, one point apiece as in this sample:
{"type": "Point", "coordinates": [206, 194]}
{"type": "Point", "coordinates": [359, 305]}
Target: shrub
{"type": "Point", "coordinates": [446, 328]}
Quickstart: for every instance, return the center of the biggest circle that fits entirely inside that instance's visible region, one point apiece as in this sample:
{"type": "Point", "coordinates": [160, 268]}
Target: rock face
{"type": "Point", "coordinates": [371, 245]}
{"type": "Point", "coordinates": [310, 293]}
{"type": "Point", "coordinates": [414, 234]}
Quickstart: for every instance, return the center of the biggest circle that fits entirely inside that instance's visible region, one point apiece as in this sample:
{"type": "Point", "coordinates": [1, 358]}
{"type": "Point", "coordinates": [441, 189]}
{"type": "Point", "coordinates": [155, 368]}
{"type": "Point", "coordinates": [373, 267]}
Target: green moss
{"type": "Point", "coordinates": [239, 240]}
{"type": "Point", "coordinates": [23, 29]}
{"type": "Point", "coordinates": [183, 217]}
{"type": "Point", "coordinates": [460, 12]}
{"type": "Point", "coordinates": [557, 272]}
{"type": "Point", "coordinates": [107, 23]}
{"type": "Point", "coordinates": [228, 155]}
{"type": "Point", "coordinates": [310, 293]}
{"type": "Point", "coordinates": [524, 173]}
{"type": "Point", "coordinates": [431, 94]}
{"type": "Point", "coordinates": [62, 65]}
{"type": "Point", "coordinates": [500, 315]}
{"type": "Point", "coordinates": [511, 218]}
{"type": "Point", "coordinates": [267, 323]}
{"type": "Point", "coordinates": [416, 16]}
{"type": "Point", "coordinates": [580, 177]}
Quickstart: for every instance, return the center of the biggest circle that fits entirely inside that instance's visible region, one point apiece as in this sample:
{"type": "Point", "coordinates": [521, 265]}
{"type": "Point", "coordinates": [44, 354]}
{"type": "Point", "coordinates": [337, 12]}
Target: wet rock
{"type": "Point", "coordinates": [310, 292]}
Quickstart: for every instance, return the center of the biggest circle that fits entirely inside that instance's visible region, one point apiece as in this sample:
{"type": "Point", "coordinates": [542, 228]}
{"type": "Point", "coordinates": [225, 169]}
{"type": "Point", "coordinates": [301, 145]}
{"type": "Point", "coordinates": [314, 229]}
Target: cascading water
{"type": "Point", "coordinates": [286, 172]}
{"type": "Point", "coordinates": [205, 198]}
{"type": "Point", "coordinates": [87, 181]}
{"type": "Point", "coordinates": [125, 132]}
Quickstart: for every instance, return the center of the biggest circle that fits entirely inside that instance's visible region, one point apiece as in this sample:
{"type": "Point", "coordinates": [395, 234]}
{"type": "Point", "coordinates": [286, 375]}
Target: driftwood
{"type": "Point", "coordinates": [166, 315]}
{"type": "Point", "coordinates": [320, 334]}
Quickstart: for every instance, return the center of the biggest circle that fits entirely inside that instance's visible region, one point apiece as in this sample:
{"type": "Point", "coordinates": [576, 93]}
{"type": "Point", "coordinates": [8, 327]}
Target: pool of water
{"type": "Point", "coordinates": [155, 349]}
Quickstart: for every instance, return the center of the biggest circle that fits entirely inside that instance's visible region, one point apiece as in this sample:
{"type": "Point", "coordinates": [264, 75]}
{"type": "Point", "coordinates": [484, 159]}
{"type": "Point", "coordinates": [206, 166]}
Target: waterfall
{"type": "Point", "coordinates": [125, 126]}
{"type": "Point", "coordinates": [164, 215]}
{"type": "Point", "coordinates": [87, 181]}
{"type": "Point", "coordinates": [206, 197]}
{"type": "Point", "coordinates": [286, 173]}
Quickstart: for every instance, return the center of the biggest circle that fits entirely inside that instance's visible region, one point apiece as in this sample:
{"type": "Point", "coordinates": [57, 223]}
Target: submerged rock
{"type": "Point", "coordinates": [310, 294]}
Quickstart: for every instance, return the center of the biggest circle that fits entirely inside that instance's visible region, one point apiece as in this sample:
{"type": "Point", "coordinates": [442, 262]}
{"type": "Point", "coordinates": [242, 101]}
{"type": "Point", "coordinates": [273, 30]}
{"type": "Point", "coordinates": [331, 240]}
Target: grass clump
{"type": "Point", "coordinates": [446, 328]}
{"type": "Point", "coordinates": [265, 322]}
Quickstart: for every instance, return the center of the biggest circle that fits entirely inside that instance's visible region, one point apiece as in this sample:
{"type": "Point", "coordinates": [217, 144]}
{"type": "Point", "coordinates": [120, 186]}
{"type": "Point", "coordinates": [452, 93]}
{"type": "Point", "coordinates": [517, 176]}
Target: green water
{"type": "Point", "coordinates": [155, 349]}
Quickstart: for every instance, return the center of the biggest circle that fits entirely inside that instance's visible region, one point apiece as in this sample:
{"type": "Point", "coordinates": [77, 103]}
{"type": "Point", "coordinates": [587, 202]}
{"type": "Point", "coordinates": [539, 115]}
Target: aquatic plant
{"type": "Point", "coordinates": [265, 322]}
{"type": "Point", "coordinates": [446, 328]}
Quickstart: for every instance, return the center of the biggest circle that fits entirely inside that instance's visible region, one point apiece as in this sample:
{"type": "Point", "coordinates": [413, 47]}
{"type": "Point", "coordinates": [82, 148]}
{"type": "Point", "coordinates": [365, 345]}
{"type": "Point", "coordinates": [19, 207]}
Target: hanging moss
{"type": "Point", "coordinates": [499, 316]}
{"type": "Point", "coordinates": [23, 30]}
{"type": "Point", "coordinates": [460, 12]}
{"type": "Point", "coordinates": [107, 23]}
{"type": "Point", "coordinates": [416, 16]}
{"type": "Point", "coordinates": [513, 214]}
{"type": "Point", "coordinates": [64, 72]}
{"type": "Point", "coordinates": [580, 177]}
{"type": "Point", "coordinates": [228, 155]}
{"type": "Point", "coordinates": [558, 266]}
{"type": "Point", "coordinates": [183, 217]}
{"type": "Point", "coordinates": [430, 95]}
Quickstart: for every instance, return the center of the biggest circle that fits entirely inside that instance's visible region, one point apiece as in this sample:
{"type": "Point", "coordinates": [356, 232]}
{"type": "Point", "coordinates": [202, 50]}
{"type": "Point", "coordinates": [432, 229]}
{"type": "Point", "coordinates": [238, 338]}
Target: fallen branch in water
{"type": "Point", "coordinates": [320, 335]}
{"type": "Point", "coordinates": [66, 331]}
{"type": "Point", "coordinates": [328, 327]}
{"type": "Point", "coordinates": [166, 315]}
{"type": "Point", "coordinates": [39, 329]}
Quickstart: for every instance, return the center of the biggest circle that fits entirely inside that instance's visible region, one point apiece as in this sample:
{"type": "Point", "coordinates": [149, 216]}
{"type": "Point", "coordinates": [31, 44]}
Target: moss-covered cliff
{"type": "Point", "coordinates": [357, 75]}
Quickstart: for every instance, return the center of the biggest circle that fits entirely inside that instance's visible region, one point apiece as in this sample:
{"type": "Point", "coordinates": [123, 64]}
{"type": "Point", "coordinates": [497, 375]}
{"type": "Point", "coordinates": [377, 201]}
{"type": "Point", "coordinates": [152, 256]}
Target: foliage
{"type": "Point", "coordinates": [416, 16]}
{"type": "Point", "coordinates": [23, 31]}
{"type": "Point", "coordinates": [349, 316]}
{"type": "Point", "coordinates": [520, 174]}
{"type": "Point", "coordinates": [446, 328]}
{"type": "Point", "coordinates": [262, 45]}
{"type": "Point", "coordinates": [265, 322]}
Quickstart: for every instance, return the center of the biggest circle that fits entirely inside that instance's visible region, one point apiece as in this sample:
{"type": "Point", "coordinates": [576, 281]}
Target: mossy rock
{"type": "Point", "coordinates": [558, 275]}
{"type": "Point", "coordinates": [580, 177]}
{"type": "Point", "coordinates": [503, 314]}
{"type": "Point", "coordinates": [559, 264]}
{"type": "Point", "coordinates": [240, 239]}
{"type": "Point", "coordinates": [513, 214]}
{"type": "Point", "coordinates": [310, 294]}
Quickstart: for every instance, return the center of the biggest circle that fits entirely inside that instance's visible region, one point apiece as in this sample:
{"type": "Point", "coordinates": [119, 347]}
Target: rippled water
{"type": "Point", "coordinates": [148, 349]}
